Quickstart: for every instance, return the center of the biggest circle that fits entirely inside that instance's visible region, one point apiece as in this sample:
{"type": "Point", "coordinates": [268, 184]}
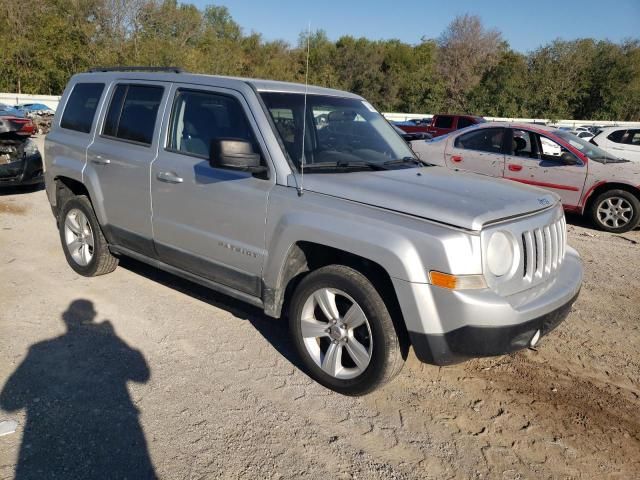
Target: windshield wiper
{"type": "Point", "coordinates": [345, 165]}
{"type": "Point", "coordinates": [415, 161]}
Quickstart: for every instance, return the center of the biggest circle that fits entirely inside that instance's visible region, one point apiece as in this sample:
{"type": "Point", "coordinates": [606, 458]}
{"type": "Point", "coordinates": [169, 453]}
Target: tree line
{"type": "Point", "coordinates": [467, 69]}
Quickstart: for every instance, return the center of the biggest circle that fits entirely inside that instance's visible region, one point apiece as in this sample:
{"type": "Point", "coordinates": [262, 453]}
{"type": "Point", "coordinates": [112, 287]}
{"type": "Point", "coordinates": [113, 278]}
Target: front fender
{"type": "Point", "coordinates": [406, 247]}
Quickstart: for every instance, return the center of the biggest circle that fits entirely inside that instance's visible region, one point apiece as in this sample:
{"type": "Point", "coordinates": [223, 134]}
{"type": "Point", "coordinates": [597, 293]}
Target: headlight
{"type": "Point", "coordinates": [499, 254]}
{"type": "Point", "coordinates": [30, 148]}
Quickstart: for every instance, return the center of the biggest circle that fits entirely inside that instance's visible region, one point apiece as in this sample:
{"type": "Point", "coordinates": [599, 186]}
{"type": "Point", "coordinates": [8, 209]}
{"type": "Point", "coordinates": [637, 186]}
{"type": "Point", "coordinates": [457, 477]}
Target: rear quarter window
{"type": "Point", "coordinates": [81, 107]}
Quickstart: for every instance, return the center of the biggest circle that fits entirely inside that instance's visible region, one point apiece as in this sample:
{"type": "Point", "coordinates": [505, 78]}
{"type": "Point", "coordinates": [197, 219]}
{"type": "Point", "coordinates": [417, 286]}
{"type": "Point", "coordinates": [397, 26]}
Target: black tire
{"type": "Point", "coordinates": [386, 358]}
{"type": "Point", "coordinates": [616, 197]}
{"type": "Point", "coordinates": [102, 260]}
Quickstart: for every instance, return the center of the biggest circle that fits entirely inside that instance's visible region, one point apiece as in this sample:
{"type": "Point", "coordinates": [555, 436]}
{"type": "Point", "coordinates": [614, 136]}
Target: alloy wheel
{"type": "Point", "coordinates": [78, 237]}
{"type": "Point", "coordinates": [615, 212]}
{"type": "Point", "coordinates": [336, 333]}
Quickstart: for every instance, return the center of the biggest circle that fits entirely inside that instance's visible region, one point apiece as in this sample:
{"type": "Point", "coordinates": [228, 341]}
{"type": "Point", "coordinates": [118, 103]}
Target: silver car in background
{"type": "Point", "coordinates": [305, 202]}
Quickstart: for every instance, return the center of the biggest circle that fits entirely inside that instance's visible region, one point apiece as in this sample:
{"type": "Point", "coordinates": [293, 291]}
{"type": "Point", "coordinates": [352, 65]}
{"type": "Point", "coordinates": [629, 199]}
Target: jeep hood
{"type": "Point", "coordinates": [464, 200]}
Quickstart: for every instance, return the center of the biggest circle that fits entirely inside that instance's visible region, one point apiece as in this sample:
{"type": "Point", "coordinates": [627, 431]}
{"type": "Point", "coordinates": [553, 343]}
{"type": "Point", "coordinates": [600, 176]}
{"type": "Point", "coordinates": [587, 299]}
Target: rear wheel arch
{"type": "Point", "coordinates": [66, 188]}
{"type": "Point", "coordinates": [603, 187]}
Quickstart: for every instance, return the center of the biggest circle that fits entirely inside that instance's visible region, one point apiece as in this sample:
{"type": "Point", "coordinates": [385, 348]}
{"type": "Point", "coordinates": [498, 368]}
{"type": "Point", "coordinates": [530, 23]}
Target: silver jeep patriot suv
{"type": "Point", "coordinates": [304, 201]}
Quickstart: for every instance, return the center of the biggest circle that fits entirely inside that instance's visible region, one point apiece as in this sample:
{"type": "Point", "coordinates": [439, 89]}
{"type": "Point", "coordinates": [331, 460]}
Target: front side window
{"type": "Point", "coordinates": [550, 150]}
{"type": "Point", "coordinates": [444, 121]}
{"type": "Point", "coordinates": [523, 144]}
{"type": "Point", "coordinates": [338, 131]}
{"type": "Point", "coordinates": [199, 118]}
{"type": "Point", "coordinates": [483, 140]}
{"type": "Point", "coordinates": [81, 107]}
{"type": "Point", "coordinates": [132, 113]}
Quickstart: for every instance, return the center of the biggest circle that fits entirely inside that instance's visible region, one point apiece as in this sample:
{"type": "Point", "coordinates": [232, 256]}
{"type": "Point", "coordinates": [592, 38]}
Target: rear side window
{"type": "Point", "coordinates": [444, 122]}
{"type": "Point", "coordinates": [616, 136]}
{"type": "Point", "coordinates": [464, 122]}
{"type": "Point", "coordinates": [132, 113]}
{"type": "Point", "coordinates": [81, 107]}
{"type": "Point", "coordinates": [484, 140]}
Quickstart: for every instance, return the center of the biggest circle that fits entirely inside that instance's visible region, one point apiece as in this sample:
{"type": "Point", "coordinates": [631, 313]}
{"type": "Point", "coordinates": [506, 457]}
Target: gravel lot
{"type": "Point", "coordinates": [175, 381]}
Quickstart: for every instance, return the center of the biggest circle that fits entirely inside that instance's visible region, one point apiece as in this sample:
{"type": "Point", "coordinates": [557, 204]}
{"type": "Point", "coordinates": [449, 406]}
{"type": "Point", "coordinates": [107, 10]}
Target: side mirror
{"type": "Point", "coordinates": [235, 154]}
{"type": "Point", "coordinates": [568, 158]}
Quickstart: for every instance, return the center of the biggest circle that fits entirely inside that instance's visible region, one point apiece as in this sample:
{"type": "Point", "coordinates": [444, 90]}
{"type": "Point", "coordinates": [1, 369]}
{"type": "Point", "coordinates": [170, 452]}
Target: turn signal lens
{"type": "Point", "coordinates": [457, 282]}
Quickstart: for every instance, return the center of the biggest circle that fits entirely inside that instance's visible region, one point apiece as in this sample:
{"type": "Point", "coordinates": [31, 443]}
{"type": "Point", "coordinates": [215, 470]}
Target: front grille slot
{"type": "Point", "coordinates": [543, 251]}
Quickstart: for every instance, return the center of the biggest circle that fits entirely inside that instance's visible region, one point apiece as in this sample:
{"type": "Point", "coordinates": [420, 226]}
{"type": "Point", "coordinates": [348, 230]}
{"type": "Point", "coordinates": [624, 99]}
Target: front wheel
{"type": "Point", "coordinates": [616, 211]}
{"type": "Point", "coordinates": [343, 332]}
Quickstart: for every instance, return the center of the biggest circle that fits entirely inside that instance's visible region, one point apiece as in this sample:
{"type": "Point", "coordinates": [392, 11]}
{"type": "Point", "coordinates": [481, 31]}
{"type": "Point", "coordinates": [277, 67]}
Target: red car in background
{"type": "Point", "coordinates": [15, 121]}
{"type": "Point", "coordinates": [439, 124]}
{"type": "Point", "coordinates": [443, 124]}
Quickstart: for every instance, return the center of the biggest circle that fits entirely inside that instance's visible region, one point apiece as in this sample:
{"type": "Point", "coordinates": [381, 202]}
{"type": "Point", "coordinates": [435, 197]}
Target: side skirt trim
{"type": "Point", "coordinates": [232, 292]}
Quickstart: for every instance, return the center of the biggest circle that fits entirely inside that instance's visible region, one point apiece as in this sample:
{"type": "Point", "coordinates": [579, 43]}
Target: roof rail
{"type": "Point", "coordinates": [136, 69]}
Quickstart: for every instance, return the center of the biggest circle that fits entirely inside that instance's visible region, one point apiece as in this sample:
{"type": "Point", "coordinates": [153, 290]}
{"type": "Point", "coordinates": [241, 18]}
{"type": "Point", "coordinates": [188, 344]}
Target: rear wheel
{"type": "Point", "coordinates": [343, 332]}
{"type": "Point", "coordinates": [616, 211]}
{"type": "Point", "coordinates": [84, 245]}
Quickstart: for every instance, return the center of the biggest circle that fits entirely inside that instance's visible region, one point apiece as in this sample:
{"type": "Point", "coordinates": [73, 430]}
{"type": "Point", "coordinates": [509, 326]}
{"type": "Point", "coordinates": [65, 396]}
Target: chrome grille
{"type": "Point", "coordinates": [543, 251]}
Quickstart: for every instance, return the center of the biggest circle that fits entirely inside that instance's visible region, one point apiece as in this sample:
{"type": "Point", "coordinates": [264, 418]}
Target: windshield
{"type": "Point", "coordinates": [339, 131]}
{"type": "Point", "coordinates": [587, 148]}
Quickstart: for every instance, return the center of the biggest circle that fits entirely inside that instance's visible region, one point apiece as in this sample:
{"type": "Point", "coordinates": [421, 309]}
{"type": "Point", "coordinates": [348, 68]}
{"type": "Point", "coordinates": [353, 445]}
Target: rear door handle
{"type": "Point", "coordinates": [169, 177]}
{"type": "Point", "coordinates": [515, 168]}
{"type": "Point", "coordinates": [456, 158]}
{"type": "Point", "coordinates": [98, 160]}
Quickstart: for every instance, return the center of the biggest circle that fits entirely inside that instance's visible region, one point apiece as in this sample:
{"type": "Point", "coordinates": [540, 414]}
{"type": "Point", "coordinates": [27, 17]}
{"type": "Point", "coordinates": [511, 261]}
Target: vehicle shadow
{"type": "Point", "coordinates": [20, 189]}
{"type": "Point", "coordinates": [274, 331]}
{"type": "Point", "coordinates": [80, 420]}
{"type": "Point", "coordinates": [584, 222]}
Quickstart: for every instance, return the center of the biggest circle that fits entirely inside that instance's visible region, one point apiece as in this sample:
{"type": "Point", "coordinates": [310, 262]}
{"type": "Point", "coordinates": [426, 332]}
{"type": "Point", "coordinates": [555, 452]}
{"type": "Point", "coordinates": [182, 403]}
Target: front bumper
{"type": "Point", "coordinates": [451, 326]}
{"type": "Point", "coordinates": [24, 172]}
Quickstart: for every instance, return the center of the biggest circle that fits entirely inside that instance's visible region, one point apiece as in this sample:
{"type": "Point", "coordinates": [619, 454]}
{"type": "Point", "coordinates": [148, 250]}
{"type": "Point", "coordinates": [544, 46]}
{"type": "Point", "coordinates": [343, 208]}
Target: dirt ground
{"type": "Point", "coordinates": [168, 379]}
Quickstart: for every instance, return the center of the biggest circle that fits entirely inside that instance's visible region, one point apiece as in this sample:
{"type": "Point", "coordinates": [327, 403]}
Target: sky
{"type": "Point", "coordinates": [525, 25]}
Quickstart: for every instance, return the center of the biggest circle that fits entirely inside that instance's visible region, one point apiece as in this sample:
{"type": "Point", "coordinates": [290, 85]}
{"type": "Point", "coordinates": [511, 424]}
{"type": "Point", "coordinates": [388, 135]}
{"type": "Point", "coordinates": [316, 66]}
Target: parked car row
{"type": "Point", "coordinates": [588, 179]}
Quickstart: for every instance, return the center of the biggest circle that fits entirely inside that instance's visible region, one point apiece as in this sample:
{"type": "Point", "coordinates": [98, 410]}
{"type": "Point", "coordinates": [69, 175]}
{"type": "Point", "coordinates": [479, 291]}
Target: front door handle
{"type": "Point", "coordinates": [98, 160]}
{"type": "Point", "coordinates": [456, 158]}
{"type": "Point", "coordinates": [169, 177]}
{"type": "Point", "coordinates": [515, 168]}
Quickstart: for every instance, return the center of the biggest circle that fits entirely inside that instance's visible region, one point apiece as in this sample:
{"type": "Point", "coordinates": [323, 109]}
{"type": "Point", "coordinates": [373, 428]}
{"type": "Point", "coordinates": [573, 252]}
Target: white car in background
{"type": "Point", "coordinates": [623, 142]}
{"type": "Point", "coordinates": [585, 135]}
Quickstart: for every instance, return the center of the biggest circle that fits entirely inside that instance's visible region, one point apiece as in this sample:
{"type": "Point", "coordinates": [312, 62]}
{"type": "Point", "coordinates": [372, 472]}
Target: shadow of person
{"type": "Point", "coordinates": [81, 422]}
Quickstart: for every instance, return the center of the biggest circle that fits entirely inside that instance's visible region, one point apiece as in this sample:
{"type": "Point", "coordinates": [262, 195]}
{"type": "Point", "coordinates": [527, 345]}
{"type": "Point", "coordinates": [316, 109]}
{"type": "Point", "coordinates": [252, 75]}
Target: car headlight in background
{"type": "Point", "coordinates": [30, 148]}
{"type": "Point", "coordinates": [500, 254]}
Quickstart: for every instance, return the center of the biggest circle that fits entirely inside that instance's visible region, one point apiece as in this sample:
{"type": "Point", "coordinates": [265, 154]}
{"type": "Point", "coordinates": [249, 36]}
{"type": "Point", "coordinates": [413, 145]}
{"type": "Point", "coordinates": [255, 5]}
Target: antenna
{"type": "Point", "coordinates": [304, 113]}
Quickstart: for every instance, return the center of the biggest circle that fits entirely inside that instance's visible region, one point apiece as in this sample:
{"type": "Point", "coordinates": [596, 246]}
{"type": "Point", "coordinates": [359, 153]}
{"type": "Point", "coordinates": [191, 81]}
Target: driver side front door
{"type": "Point", "coordinates": [537, 160]}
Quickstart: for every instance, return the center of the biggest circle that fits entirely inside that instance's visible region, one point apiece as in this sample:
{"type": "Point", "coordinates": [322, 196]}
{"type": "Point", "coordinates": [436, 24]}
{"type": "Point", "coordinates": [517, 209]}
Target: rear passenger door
{"type": "Point", "coordinates": [119, 162]}
{"type": "Point", "coordinates": [479, 151]}
{"type": "Point", "coordinates": [210, 221]}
